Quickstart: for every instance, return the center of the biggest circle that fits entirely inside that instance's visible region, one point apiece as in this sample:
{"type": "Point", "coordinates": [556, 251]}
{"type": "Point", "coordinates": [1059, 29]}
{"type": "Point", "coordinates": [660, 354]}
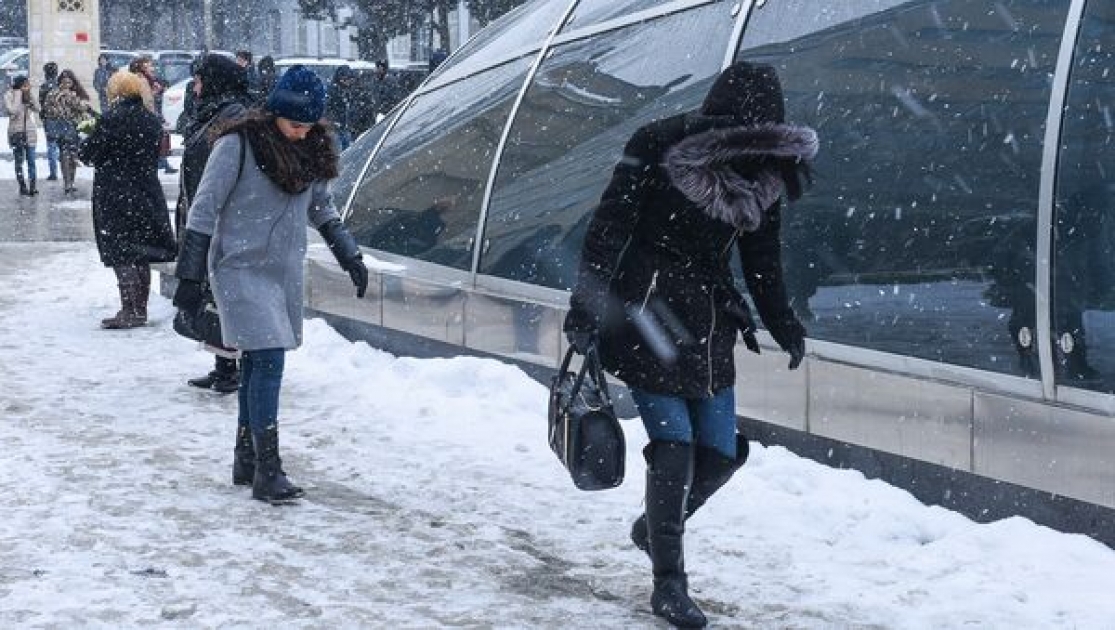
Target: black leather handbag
{"type": "Point", "coordinates": [201, 324]}
{"type": "Point", "coordinates": [584, 432]}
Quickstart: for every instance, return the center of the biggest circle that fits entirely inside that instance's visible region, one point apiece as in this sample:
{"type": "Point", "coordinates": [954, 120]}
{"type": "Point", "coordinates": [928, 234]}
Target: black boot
{"type": "Point", "coordinates": [710, 472]}
{"type": "Point", "coordinates": [669, 476]}
{"type": "Point", "coordinates": [22, 185]}
{"type": "Point", "coordinates": [224, 379]}
{"type": "Point", "coordinates": [243, 458]}
{"type": "Point", "coordinates": [270, 483]}
{"type": "Point", "coordinates": [133, 305]}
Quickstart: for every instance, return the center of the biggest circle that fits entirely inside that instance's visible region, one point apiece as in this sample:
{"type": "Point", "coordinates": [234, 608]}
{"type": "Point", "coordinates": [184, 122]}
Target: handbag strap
{"type": "Point", "coordinates": [591, 363]}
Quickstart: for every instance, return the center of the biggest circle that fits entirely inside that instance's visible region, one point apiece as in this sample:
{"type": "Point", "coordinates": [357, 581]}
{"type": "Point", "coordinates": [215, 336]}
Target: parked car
{"type": "Point", "coordinates": [14, 62]}
{"type": "Point", "coordinates": [174, 99]}
{"type": "Point", "coordinates": [173, 66]}
{"type": "Point", "coordinates": [323, 67]}
{"type": "Point", "coordinates": [118, 59]}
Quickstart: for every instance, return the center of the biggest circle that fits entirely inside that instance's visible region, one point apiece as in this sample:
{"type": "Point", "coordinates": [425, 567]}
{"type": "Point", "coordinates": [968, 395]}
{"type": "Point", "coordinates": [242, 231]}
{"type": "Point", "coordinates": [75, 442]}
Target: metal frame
{"type": "Point", "coordinates": [744, 7]}
{"type": "Point", "coordinates": [1046, 190]}
{"type": "Point", "coordinates": [627, 20]}
{"type": "Point", "coordinates": [478, 244]}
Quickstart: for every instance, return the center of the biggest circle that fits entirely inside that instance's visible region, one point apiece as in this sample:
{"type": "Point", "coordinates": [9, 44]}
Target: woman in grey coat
{"type": "Point", "coordinates": [266, 178]}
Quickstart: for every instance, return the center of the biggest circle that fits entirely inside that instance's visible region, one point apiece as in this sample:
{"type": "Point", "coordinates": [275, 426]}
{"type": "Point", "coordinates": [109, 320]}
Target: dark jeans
{"type": "Point", "coordinates": [261, 376]}
{"type": "Point", "coordinates": [24, 153]}
{"type": "Point", "coordinates": [710, 422]}
{"type": "Point", "coordinates": [52, 157]}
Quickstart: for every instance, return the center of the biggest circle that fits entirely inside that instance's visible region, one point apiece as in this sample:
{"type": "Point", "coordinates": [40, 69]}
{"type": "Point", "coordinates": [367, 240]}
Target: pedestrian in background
{"type": "Point", "coordinates": [50, 128]}
{"type": "Point", "coordinates": [267, 77]}
{"type": "Point", "coordinates": [130, 218]}
{"type": "Point", "coordinates": [267, 176]}
{"type": "Point", "coordinates": [656, 295]}
{"type": "Point", "coordinates": [144, 66]}
{"type": "Point", "coordinates": [340, 104]}
{"type": "Point", "coordinates": [66, 106]}
{"type": "Point", "coordinates": [244, 60]}
{"type": "Point", "coordinates": [23, 130]}
{"type": "Point", "coordinates": [221, 89]}
{"type": "Point", "coordinates": [100, 81]}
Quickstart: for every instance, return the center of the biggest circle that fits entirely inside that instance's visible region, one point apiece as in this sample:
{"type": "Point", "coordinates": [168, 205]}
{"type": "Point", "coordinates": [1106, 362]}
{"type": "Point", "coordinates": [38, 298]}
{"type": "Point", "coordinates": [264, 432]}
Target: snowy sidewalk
{"type": "Point", "coordinates": [432, 501]}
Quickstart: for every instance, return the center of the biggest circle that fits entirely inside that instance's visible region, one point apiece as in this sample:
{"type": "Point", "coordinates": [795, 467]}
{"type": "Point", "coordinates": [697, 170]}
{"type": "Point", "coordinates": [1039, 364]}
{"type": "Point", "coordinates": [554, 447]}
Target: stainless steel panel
{"type": "Point", "coordinates": [910, 417]}
{"type": "Point", "coordinates": [767, 390]}
{"type": "Point", "coordinates": [1042, 446]}
{"type": "Point", "coordinates": [330, 290]}
{"type": "Point", "coordinates": [514, 328]}
{"type": "Point", "coordinates": [427, 309]}
{"type": "Point", "coordinates": [926, 369]}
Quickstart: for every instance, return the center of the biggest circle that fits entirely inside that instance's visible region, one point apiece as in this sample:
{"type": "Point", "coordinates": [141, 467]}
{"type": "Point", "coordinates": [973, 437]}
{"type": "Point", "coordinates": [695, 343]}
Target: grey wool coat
{"type": "Point", "coordinates": [258, 246]}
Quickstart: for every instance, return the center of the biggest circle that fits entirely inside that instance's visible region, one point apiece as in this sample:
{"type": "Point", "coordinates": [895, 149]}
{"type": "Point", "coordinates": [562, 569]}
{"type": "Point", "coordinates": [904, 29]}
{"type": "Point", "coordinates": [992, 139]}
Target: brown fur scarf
{"type": "Point", "coordinates": [292, 166]}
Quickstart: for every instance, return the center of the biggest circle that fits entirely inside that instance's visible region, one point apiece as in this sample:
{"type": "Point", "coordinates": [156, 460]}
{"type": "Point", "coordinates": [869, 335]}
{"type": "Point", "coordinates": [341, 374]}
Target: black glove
{"type": "Point", "coordinates": [347, 253]}
{"type": "Point", "coordinates": [189, 295]}
{"type": "Point", "coordinates": [193, 253]}
{"type": "Point", "coordinates": [359, 274]}
{"type": "Point", "coordinates": [790, 336]}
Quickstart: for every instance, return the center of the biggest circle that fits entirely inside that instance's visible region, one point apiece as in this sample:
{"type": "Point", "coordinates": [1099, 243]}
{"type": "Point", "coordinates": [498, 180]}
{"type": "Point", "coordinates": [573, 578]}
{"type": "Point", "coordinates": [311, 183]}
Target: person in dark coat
{"type": "Point", "coordinates": [222, 95]}
{"type": "Point", "coordinates": [340, 104]}
{"type": "Point", "coordinates": [267, 77]}
{"type": "Point", "coordinates": [266, 178]}
{"type": "Point", "coordinates": [100, 81]}
{"type": "Point", "coordinates": [656, 299]}
{"type": "Point", "coordinates": [130, 220]}
{"type": "Point", "coordinates": [50, 127]}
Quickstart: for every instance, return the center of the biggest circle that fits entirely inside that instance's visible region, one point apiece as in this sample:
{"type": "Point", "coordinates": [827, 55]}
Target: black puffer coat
{"type": "Point", "coordinates": [655, 279]}
{"type": "Point", "coordinates": [224, 97]}
{"type": "Point", "coordinates": [130, 217]}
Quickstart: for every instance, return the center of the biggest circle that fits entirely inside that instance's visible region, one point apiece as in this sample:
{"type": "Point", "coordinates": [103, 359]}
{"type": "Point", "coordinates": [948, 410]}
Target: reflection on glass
{"type": "Point", "coordinates": [589, 12]}
{"type": "Point", "coordinates": [422, 194]}
{"type": "Point", "coordinates": [353, 159]}
{"type": "Point", "coordinates": [918, 236]}
{"type": "Point", "coordinates": [521, 30]}
{"type": "Point", "coordinates": [1083, 315]}
{"type": "Point", "coordinates": [586, 100]}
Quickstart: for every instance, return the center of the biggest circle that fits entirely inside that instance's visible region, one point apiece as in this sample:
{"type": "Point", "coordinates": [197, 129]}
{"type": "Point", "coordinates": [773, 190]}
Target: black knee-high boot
{"type": "Point", "coordinates": [710, 472]}
{"type": "Point", "coordinates": [270, 482]}
{"type": "Point", "coordinates": [243, 457]}
{"type": "Point", "coordinates": [669, 476]}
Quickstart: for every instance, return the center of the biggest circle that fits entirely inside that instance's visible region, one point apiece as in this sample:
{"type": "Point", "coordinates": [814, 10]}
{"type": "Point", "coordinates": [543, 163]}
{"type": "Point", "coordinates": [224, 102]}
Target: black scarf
{"type": "Point", "coordinates": [292, 166]}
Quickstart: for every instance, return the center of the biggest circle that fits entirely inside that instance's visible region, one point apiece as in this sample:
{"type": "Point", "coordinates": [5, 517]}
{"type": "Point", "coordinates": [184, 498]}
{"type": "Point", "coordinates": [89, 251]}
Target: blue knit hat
{"type": "Point", "coordinates": [299, 96]}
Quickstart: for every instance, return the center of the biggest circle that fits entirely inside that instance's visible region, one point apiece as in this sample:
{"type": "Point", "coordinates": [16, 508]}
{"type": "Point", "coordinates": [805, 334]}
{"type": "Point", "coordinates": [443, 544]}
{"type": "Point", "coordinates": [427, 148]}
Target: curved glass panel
{"type": "Point", "coordinates": [918, 235]}
{"type": "Point", "coordinates": [1083, 315]}
{"type": "Point", "coordinates": [353, 159]}
{"type": "Point", "coordinates": [586, 100]}
{"type": "Point", "coordinates": [421, 196]}
{"type": "Point", "coordinates": [589, 12]}
{"type": "Point", "coordinates": [521, 29]}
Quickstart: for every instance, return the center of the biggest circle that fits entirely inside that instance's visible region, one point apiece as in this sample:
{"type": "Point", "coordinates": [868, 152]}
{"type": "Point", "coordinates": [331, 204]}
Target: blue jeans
{"type": "Point", "coordinates": [52, 157]}
{"type": "Point", "coordinates": [708, 422]}
{"type": "Point", "coordinates": [261, 376]}
{"type": "Point", "coordinates": [21, 153]}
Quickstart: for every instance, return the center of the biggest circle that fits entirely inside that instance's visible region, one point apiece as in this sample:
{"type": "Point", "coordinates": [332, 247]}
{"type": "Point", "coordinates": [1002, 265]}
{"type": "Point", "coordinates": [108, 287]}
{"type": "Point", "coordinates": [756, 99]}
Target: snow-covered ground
{"type": "Point", "coordinates": [432, 501]}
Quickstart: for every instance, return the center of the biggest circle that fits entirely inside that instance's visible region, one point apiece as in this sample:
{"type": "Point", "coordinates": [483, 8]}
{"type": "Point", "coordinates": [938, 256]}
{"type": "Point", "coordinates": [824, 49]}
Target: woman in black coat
{"type": "Point", "coordinates": [221, 91]}
{"type": "Point", "coordinates": [130, 216]}
{"type": "Point", "coordinates": [656, 296]}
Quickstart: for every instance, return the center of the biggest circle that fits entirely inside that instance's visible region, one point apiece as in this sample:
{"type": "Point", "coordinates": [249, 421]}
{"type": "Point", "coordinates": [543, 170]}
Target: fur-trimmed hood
{"type": "Point", "coordinates": [736, 173]}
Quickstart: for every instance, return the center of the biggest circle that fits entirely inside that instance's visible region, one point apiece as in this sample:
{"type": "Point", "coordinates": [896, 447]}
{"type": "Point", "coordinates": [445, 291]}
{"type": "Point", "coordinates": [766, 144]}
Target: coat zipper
{"type": "Point", "coordinates": [711, 331]}
{"type": "Point", "coordinates": [712, 307]}
{"type": "Point", "coordinates": [650, 290]}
